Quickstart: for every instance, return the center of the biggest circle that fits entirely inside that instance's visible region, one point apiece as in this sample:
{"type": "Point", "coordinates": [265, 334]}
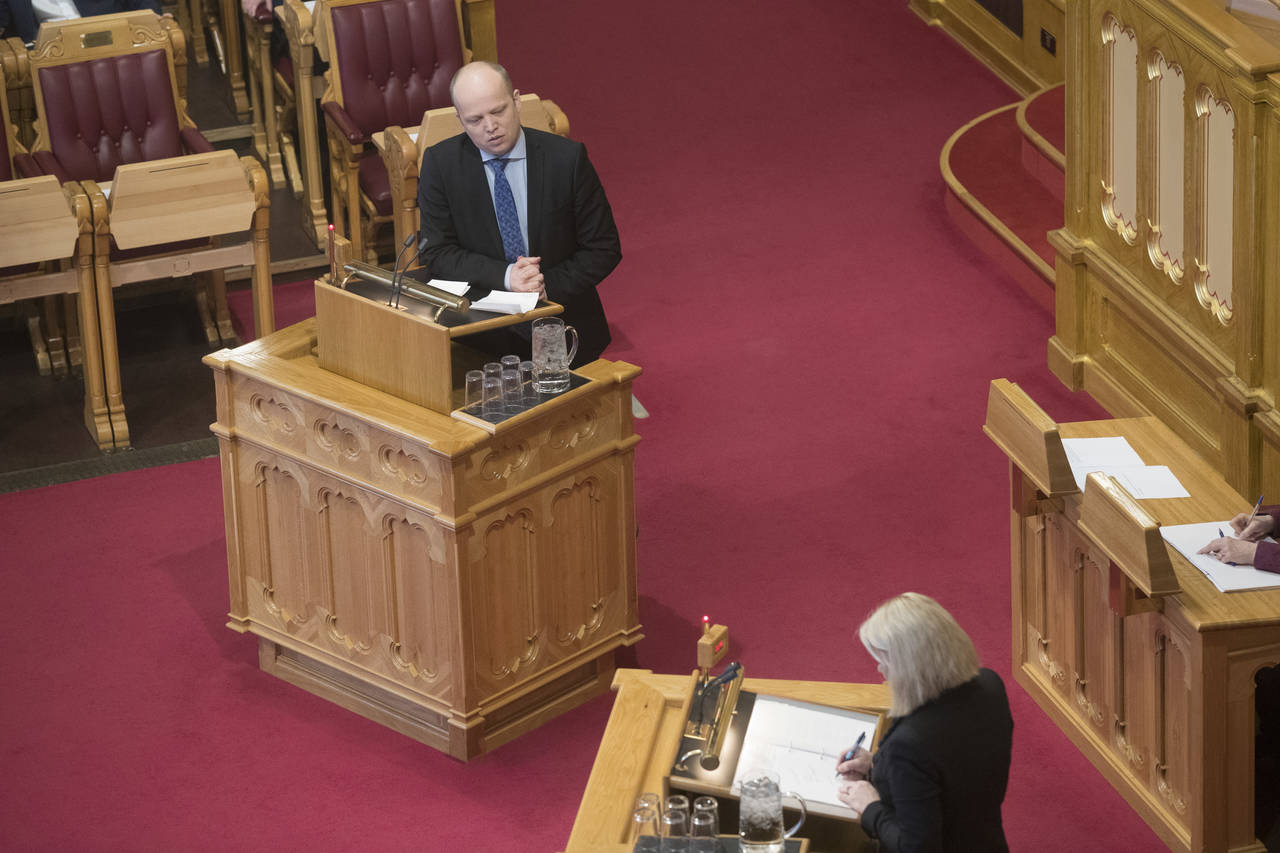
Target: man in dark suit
{"type": "Point", "coordinates": [20, 17]}
{"type": "Point", "coordinates": [508, 207]}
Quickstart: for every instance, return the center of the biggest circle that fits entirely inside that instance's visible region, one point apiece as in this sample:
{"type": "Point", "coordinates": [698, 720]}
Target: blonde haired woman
{"type": "Point", "coordinates": [940, 772]}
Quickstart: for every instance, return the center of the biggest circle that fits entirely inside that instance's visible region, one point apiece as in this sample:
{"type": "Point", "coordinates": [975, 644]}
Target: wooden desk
{"type": "Point", "coordinates": [457, 584]}
{"type": "Point", "coordinates": [1157, 692]}
{"type": "Point", "coordinates": [643, 734]}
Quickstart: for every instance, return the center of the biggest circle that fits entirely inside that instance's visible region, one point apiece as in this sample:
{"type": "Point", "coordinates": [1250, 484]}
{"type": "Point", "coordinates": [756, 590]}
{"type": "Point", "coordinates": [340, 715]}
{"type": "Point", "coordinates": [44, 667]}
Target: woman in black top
{"type": "Point", "coordinates": [939, 774]}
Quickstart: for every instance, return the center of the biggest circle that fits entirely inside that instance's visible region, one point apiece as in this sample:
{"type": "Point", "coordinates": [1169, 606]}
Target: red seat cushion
{"type": "Point", "coordinates": [105, 112]}
{"type": "Point", "coordinates": [396, 59]}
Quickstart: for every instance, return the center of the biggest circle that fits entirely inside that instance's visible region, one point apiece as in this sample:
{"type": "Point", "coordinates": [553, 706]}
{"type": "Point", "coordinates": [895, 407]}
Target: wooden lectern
{"type": "Point", "coordinates": [1128, 648]}
{"type": "Point", "coordinates": [457, 581]}
{"type": "Point", "coordinates": [642, 740]}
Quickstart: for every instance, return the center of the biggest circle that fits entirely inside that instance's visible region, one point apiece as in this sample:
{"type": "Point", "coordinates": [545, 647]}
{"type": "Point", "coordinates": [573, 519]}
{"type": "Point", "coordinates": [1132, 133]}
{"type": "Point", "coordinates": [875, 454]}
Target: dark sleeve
{"type": "Point", "coordinates": [914, 825]}
{"type": "Point", "coordinates": [445, 255]}
{"type": "Point", "coordinates": [18, 18]}
{"type": "Point", "coordinates": [598, 248]}
{"type": "Point", "coordinates": [1267, 557]}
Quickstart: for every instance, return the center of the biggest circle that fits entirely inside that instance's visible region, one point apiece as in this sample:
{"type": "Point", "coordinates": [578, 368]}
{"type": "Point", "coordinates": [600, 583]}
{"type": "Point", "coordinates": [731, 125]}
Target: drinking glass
{"type": "Point", "coordinates": [644, 830]}
{"type": "Point", "coordinates": [491, 399]}
{"type": "Point", "coordinates": [551, 358]}
{"type": "Point", "coordinates": [675, 835]}
{"type": "Point", "coordinates": [493, 368]}
{"type": "Point", "coordinates": [708, 806]}
{"type": "Point", "coordinates": [680, 803]}
{"type": "Point", "coordinates": [703, 831]}
{"type": "Point", "coordinates": [530, 395]}
{"type": "Point", "coordinates": [510, 362]}
{"type": "Point", "coordinates": [649, 800]}
{"type": "Point", "coordinates": [512, 399]}
{"type": "Point", "coordinates": [474, 393]}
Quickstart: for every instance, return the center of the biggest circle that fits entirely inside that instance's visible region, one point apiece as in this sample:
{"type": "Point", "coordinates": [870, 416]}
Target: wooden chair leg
{"type": "Point", "coordinates": [75, 346]}
{"type": "Point", "coordinates": [52, 311]}
{"type": "Point", "coordinates": [291, 164]}
{"type": "Point", "coordinates": [97, 417]}
{"type": "Point", "coordinates": [106, 311]}
{"type": "Point", "coordinates": [35, 331]}
{"type": "Point", "coordinates": [194, 26]}
{"type": "Point", "coordinates": [217, 287]}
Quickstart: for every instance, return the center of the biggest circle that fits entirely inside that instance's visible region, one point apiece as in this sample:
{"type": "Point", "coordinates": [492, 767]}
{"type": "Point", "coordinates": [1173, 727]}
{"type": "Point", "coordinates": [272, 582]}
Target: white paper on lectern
{"type": "Point", "coordinates": [1150, 482]}
{"type": "Point", "coordinates": [1190, 538]}
{"type": "Point", "coordinates": [802, 743]}
{"type": "Point", "coordinates": [1086, 455]}
{"type": "Point", "coordinates": [498, 301]}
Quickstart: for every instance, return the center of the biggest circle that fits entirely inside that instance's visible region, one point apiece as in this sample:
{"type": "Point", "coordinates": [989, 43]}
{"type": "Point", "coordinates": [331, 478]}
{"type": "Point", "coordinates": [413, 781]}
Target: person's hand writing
{"type": "Point", "coordinates": [1231, 550]}
{"type": "Point", "coordinates": [1260, 527]}
{"type": "Point", "coordinates": [526, 276]}
{"type": "Point", "coordinates": [858, 795]}
{"type": "Point", "coordinates": [856, 768]}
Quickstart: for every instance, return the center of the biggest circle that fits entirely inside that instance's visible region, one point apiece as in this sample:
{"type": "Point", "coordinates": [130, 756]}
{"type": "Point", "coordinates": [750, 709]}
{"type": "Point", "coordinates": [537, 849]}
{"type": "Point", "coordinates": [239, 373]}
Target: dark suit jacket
{"type": "Point", "coordinates": [17, 18]}
{"type": "Point", "coordinates": [570, 226]}
{"type": "Point", "coordinates": [941, 772]}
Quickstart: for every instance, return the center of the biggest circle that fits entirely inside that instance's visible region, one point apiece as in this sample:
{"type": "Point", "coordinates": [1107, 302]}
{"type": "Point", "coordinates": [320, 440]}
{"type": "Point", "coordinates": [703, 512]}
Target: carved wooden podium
{"type": "Point", "coordinates": [1128, 648]}
{"type": "Point", "coordinates": [458, 581]}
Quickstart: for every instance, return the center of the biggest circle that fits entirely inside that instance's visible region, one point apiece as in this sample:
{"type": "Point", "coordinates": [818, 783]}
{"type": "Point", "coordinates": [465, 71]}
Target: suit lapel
{"type": "Point", "coordinates": [476, 186]}
{"type": "Point", "coordinates": [535, 172]}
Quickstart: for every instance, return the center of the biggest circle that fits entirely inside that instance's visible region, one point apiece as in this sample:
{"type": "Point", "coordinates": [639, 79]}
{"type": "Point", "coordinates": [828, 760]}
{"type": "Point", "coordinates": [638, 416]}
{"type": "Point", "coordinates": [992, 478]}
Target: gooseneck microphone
{"type": "Point", "coordinates": [396, 273]}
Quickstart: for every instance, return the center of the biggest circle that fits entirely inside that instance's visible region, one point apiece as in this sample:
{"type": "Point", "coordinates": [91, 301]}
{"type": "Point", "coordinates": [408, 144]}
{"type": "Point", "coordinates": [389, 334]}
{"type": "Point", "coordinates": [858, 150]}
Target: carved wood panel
{"type": "Point", "coordinates": [361, 606]}
{"type": "Point", "coordinates": [1063, 561]}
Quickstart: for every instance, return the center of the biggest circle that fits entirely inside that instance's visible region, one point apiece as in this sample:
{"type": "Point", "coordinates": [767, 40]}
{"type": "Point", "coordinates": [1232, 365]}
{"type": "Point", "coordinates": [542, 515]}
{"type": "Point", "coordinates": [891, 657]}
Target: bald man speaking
{"type": "Point", "coordinates": [509, 207]}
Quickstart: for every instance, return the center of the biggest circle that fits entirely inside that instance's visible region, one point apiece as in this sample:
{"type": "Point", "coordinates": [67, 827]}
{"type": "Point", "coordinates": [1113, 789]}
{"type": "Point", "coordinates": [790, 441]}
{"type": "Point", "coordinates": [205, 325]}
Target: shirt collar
{"type": "Point", "coordinates": [517, 152]}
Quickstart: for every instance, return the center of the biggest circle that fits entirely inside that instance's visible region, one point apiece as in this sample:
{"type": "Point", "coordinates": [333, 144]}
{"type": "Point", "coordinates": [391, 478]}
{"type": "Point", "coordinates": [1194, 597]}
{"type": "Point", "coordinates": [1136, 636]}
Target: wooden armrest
{"type": "Point", "coordinates": [558, 121]}
{"type": "Point", "coordinates": [400, 153]}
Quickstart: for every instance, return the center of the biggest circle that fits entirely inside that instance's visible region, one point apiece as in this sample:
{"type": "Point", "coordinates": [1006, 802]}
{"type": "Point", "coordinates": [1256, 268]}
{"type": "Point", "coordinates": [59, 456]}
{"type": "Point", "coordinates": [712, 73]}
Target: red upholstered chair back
{"type": "Point", "coordinates": [102, 113]}
{"type": "Point", "coordinates": [394, 59]}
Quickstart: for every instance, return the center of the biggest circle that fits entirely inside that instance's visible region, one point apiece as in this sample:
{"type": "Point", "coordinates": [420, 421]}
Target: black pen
{"type": "Point", "coordinates": [848, 755]}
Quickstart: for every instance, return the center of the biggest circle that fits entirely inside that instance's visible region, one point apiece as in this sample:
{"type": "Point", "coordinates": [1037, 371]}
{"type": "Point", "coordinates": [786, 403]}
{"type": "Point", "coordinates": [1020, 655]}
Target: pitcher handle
{"type": "Point", "coordinates": [573, 348]}
{"type": "Point", "coordinates": [804, 813]}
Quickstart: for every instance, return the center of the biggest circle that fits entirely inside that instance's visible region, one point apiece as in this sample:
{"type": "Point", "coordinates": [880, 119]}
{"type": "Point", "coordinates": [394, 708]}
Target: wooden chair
{"type": "Point", "coordinates": [389, 62]}
{"type": "Point", "coordinates": [295, 76]}
{"type": "Point", "coordinates": [401, 151]}
{"type": "Point", "coordinates": [108, 99]}
{"type": "Point", "coordinates": [222, 17]}
{"type": "Point", "coordinates": [269, 135]}
{"type": "Point", "coordinates": [46, 255]}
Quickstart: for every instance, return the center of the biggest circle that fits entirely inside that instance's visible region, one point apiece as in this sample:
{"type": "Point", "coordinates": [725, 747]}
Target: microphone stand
{"type": "Point", "coordinates": [393, 300]}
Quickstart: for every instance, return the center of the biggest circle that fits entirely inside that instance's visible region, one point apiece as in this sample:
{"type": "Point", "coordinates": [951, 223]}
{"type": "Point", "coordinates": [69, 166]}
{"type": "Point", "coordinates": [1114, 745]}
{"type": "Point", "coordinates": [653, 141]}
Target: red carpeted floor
{"type": "Point", "coordinates": [817, 341]}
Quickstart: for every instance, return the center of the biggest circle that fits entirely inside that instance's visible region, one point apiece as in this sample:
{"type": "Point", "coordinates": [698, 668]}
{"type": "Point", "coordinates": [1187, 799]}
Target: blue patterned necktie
{"type": "Point", "coordinates": [504, 204]}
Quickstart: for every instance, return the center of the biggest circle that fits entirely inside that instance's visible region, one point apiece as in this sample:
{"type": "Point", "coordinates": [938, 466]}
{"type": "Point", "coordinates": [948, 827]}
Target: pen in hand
{"type": "Point", "coordinates": [1222, 535]}
{"type": "Point", "coordinates": [853, 749]}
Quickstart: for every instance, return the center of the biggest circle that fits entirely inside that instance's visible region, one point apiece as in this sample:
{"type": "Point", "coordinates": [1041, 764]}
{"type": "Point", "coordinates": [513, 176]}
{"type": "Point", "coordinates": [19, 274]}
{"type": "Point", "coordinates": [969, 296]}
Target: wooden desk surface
{"type": "Point", "coordinates": [1211, 499]}
{"type": "Point", "coordinates": [643, 734]}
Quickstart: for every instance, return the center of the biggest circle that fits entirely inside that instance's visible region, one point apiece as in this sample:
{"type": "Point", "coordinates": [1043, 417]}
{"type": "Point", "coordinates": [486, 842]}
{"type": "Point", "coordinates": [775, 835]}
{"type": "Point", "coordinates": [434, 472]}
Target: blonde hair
{"type": "Point", "coordinates": [925, 649]}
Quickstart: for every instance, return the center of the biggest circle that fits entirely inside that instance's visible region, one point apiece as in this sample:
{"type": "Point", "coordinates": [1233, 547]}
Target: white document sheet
{"type": "Point", "coordinates": [1115, 457]}
{"type": "Point", "coordinates": [498, 301]}
{"type": "Point", "coordinates": [1150, 482]}
{"type": "Point", "coordinates": [802, 742]}
{"type": "Point", "coordinates": [1190, 538]}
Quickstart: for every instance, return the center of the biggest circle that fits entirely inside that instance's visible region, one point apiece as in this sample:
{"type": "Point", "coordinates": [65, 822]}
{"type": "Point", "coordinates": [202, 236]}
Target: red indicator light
{"type": "Point", "coordinates": [720, 646]}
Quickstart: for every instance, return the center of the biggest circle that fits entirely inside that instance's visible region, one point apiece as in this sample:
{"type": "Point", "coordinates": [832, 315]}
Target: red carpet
{"type": "Point", "coordinates": [817, 342]}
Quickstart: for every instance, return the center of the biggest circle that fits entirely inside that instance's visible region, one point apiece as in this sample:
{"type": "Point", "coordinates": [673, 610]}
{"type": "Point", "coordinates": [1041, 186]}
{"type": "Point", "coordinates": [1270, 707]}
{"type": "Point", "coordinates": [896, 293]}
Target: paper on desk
{"type": "Point", "coordinates": [1149, 482]}
{"type": "Point", "coordinates": [1115, 457]}
{"type": "Point", "coordinates": [498, 301]}
{"type": "Point", "coordinates": [802, 742]}
{"type": "Point", "coordinates": [1190, 538]}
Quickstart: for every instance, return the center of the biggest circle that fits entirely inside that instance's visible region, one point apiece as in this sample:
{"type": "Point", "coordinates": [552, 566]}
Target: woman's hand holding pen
{"type": "Point", "coordinates": [856, 768]}
{"type": "Point", "coordinates": [1251, 528]}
